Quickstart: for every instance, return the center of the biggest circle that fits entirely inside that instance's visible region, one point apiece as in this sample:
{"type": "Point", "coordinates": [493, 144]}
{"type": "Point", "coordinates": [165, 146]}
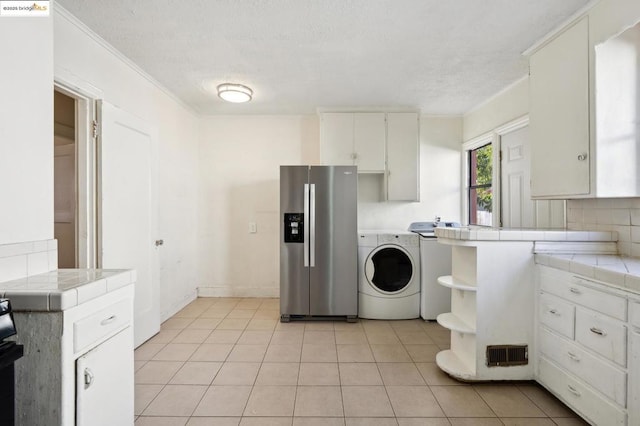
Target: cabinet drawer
{"type": "Point", "coordinates": [575, 289]}
{"type": "Point", "coordinates": [579, 396]}
{"type": "Point", "coordinates": [607, 303]}
{"type": "Point", "coordinates": [603, 376]}
{"type": "Point", "coordinates": [603, 335]}
{"type": "Point", "coordinates": [634, 313]}
{"type": "Point", "coordinates": [101, 324]}
{"type": "Point", "coordinates": [557, 314]}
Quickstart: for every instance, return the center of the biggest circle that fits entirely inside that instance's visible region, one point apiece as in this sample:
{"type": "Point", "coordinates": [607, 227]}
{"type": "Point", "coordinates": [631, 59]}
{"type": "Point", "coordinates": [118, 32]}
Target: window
{"type": "Point", "coordinates": [480, 195]}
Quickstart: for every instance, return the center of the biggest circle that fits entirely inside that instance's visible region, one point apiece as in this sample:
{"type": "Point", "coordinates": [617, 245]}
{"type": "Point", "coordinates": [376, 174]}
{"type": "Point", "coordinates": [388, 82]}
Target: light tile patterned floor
{"type": "Point", "coordinates": [229, 361]}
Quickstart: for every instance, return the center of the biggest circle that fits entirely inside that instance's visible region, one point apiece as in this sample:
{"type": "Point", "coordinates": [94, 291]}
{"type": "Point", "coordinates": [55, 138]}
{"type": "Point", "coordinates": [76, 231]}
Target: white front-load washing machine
{"type": "Point", "coordinates": [388, 275]}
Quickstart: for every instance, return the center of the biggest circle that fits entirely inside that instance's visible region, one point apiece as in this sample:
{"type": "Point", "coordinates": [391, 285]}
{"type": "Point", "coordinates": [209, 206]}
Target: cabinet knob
{"type": "Point", "coordinates": [582, 156]}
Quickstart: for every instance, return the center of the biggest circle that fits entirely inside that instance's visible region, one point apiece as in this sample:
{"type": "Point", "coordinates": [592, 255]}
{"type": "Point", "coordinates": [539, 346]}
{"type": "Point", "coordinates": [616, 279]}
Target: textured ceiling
{"type": "Point", "coordinates": [441, 56]}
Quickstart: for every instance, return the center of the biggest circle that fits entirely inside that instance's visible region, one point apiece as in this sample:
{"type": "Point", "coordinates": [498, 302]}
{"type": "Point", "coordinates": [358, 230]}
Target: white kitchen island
{"type": "Point", "coordinates": [76, 328]}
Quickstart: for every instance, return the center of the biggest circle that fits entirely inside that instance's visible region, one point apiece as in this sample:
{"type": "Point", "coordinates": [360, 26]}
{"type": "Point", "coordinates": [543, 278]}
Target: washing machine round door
{"type": "Point", "coordinates": [389, 269]}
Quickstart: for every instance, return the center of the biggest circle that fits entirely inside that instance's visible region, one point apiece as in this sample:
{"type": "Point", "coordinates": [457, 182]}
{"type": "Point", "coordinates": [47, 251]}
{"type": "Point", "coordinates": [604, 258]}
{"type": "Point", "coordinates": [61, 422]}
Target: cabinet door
{"type": "Point", "coordinates": [104, 383]}
{"type": "Point", "coordinates": [336, 139]}
{"type": "Point", "coordinates": [403, 156]}
{"type": "Point", "coordinates": [369, 141]}
{"type": "Point", "coordinates": [559, 115]}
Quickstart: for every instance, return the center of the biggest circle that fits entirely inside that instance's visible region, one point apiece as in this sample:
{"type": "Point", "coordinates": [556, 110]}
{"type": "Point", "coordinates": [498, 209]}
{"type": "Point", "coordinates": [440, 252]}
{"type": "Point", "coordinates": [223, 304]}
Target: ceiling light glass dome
{"type": "Point", "coordinates": [236, 93]}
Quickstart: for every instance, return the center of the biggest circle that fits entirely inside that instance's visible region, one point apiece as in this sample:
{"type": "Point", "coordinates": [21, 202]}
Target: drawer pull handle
{"type": "Point", "coordinates": [88, 378]}
{"type": "Point", "coordinates": [573, 357]}
{"type": "Point", "coordinates": [597, 331]}
{"type": "Point", "coordinates": [109, 320]}
{"type": "Point", "coordinates": [573, 390]}
{"type": "Point", "coordinates": [575, 290]}
{"type": "Point", "coordinates": [554, 312]}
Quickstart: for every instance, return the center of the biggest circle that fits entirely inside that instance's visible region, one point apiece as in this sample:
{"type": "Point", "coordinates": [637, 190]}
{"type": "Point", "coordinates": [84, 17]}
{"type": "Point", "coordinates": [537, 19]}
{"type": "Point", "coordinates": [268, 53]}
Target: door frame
{"type": "Point", "coordinates": [493, 137]}
{"type": "Point", "coordinates": [86, 96]}
{"type": "Point", "coordinates": [500, 132]}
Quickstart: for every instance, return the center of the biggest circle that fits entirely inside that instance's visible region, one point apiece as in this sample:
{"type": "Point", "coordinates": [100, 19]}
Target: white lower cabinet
{"type": "Point", "coordinates": [580, 397]}
{"type": "Point", "coordinates": [78, 364]}
{"type": "Point", "coordinates": [582, 347]}
{"type": "Point", "coordinates": [611, 381]}
{"type": "Point", "coordinates": [634, 363]}
{"type": "Point", "coordinates": [104, 389]}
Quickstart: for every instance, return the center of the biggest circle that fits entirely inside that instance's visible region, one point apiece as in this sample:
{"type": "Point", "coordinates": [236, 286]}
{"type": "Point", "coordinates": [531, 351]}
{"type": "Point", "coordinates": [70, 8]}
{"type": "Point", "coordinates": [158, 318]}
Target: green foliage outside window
{"type": "Point", "coordinates": [484, 175]}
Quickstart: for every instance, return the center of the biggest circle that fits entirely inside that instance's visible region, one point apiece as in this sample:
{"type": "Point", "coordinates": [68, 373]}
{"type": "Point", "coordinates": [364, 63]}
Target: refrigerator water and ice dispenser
{"type": "Point", "coordinates": [294, 227]}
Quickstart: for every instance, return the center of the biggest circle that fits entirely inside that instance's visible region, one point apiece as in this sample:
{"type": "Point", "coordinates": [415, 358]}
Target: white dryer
{"type": "Point", "coordinates": [389, 275]}
{"type": "Point", "coordinates": [435, 261]}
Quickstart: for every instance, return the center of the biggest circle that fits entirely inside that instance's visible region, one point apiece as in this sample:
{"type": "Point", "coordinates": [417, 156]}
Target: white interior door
{"type": "Point", "coordinates": [518, 210]}
{"type": "Point", "coordinates": [128, 210]}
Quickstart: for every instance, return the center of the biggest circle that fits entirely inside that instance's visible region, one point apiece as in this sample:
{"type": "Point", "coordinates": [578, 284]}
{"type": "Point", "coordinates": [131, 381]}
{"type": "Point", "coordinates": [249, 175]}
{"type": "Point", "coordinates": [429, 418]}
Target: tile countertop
{"type": "Point", "coordinates": [618, 271]}
{"type": "Point", "coordinates": [63, 288]}
{"type": "Point", "coordinates": [513, 234]}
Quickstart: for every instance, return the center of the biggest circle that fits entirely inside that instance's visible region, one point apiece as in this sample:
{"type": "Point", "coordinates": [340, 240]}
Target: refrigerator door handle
{"type": "Point", "coordinates": [312, 225]}
{"type": "Point", "coordinates": [305, 227]}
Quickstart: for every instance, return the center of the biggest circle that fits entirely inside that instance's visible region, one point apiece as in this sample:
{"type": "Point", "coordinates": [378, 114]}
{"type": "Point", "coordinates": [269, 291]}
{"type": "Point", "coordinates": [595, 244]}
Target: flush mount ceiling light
{"type": "Point", "coordinates": [236, 93]}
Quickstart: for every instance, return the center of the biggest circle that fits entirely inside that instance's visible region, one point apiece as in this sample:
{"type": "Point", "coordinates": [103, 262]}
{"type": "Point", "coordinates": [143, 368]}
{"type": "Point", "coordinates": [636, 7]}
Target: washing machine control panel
{"type": "Point", "coordinates": [405, 240]}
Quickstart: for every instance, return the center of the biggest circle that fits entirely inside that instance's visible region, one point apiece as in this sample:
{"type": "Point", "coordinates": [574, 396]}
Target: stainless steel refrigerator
{"type": "Point", "coordinates": [318, 242]}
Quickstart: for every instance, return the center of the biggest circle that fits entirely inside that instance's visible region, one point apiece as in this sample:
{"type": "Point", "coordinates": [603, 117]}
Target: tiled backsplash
{"type": "Point", "coordinates": [24, 259]}
{"type": "Point", "coordinates": [609, 214]}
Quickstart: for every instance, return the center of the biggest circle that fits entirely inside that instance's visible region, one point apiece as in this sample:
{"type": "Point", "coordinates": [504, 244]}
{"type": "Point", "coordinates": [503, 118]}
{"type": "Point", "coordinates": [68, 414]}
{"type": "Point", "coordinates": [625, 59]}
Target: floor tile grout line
{"type": "Point", "coordinates": [300, 360]}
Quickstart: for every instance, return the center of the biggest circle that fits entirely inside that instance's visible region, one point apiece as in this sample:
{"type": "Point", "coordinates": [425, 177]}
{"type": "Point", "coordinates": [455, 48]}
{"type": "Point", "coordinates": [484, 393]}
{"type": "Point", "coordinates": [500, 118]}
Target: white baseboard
{"type": "Point", "coordinates": [238, 292]}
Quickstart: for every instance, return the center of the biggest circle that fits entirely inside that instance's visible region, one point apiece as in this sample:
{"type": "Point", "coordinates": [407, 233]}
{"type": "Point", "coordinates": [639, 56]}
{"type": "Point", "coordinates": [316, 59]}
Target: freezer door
{"type": "Point", "coordinates": [294, 276]}
{"type": "Point", "coordinates": [333, 231]}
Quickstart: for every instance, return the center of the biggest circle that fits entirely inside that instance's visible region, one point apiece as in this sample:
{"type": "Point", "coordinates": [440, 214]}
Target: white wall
{"type": "Point", "coordinates": [79, 53]}
{"type": "Point", "coordinates": [26, 129]}
{"type": "Point", "coordinates": [440, 147]}
{"type": "Point", "coordinates": [239, 183]}
{"type": "Point", "coordinates": [240, 158]}
{"type": "Point", "coordinates": [505, 106]}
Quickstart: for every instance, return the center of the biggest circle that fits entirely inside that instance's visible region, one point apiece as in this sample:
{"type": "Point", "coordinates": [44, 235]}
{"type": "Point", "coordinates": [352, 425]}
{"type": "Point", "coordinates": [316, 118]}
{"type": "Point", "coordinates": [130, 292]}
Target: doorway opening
{"type": "Point", "coordinates": [74, 179]}
{"type": "Point", "coordinates": [64, 178]}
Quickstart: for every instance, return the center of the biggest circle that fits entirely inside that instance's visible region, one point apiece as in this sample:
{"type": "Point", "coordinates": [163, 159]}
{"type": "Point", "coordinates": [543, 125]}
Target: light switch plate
{"type": "Point", "coordinates": [253, 227]}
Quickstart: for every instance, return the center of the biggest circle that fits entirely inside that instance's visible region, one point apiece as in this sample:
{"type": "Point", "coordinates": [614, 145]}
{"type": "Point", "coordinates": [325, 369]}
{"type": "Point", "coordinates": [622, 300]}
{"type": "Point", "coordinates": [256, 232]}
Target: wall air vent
{"type": "Point", "coordinates": [507, 355]}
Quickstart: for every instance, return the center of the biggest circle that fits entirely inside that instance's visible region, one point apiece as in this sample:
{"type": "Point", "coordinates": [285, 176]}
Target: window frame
{"type": "Point", "coordinates": [490, 138]}
{"type": "Point", "coordinates": [471, 186]}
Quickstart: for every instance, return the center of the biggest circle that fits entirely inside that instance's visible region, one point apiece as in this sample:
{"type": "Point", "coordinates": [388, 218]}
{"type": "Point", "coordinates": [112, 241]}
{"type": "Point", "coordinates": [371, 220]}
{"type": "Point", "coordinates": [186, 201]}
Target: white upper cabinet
{"type": "Point", "coordinates": [354, 139]}
{"type": "Point", "coordinates": [559, 115]}
{"type": "Point", "coordinates": [402, 156]}
{"type": "Point", "coordinates": [376, 142]}
{"type": "Point", "coordinates": [369, 141]}
{"type": "Point", "coordinates": [336, 134]}
{"type": "Point", "coordinates": [584, 111]}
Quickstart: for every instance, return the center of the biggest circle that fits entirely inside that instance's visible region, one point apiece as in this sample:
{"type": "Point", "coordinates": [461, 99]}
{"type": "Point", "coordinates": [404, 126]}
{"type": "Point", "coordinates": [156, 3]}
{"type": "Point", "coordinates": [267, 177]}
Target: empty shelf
{"type": "Point", "coordinates": [453, 323]}
{"type": "Point", "coordinates": [449, 281]}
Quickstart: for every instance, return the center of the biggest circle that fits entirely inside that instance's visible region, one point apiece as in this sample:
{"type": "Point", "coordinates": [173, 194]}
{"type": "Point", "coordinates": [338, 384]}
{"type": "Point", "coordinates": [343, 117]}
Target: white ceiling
{"type": "Point", "coordinates": [441, 56]}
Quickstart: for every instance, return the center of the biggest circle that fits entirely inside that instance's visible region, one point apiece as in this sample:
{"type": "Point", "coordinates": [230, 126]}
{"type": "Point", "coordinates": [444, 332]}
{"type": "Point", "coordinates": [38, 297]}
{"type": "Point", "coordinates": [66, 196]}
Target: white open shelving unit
{"type": "Point", "coordinates": [492, 288]}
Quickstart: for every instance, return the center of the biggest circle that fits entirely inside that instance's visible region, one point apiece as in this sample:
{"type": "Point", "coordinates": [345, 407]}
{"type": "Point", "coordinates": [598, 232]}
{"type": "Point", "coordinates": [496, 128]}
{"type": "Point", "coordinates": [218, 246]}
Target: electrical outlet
{"type": "Point", "coordinates": [253, 227]}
